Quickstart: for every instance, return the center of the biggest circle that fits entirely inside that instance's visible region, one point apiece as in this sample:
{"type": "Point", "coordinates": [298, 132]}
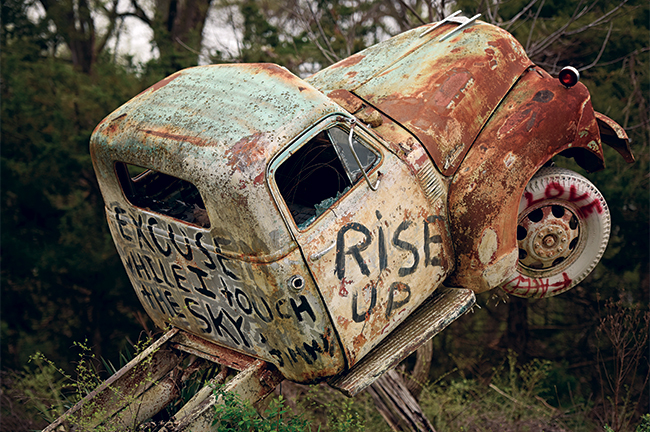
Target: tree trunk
{"type": "Point", "coordinates": [178, 31]}
{"type": "Point", "coordinates": [420, 374]}
{"type": "Point", "coordinates": [75, 24]}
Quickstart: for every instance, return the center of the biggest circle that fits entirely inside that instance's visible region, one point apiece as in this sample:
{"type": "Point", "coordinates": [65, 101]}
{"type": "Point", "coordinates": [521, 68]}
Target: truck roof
{"type": "Point", "coordinates": [217, 127]}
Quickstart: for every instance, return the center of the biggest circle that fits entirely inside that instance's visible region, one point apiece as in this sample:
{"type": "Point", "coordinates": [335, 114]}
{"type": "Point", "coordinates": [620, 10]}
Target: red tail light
{"type": "Point", "coordinates": [569, 76]}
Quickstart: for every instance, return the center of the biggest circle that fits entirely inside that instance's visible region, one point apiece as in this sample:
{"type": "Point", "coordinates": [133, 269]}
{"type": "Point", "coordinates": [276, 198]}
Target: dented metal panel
{"type": "Point", "coordinates": [355, 70]}
{"type": "Point", "coordinates": [216, 127]}
{"type": "Point", "coordinates": [612, 134]}
{"type": "Point", "coordinates": [539, 119]}
{"type": "Point", "coordinates": [182, 280]}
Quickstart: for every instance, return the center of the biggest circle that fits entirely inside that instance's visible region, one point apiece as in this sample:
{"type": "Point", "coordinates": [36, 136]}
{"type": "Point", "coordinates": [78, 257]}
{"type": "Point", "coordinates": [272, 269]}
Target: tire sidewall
{"type": "Point", "coordinates": [573, 191]}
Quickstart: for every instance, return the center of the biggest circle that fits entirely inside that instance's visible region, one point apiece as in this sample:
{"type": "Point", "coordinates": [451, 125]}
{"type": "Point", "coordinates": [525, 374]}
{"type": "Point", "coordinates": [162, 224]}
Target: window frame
{"type": "Point", "coordinates": [364, 137]}
{"type": "Point", "coordinates": [140, 176]}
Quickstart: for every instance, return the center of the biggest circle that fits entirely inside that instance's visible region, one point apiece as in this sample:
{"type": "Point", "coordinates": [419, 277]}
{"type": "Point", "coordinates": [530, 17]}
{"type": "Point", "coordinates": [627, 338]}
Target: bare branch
{"type": "Point", "coordinates": [190, 49]}
{"type": "Point", "coordinates": [514, 19]}
{"type": "Point", "coordinates": [625, 57]}
{"type": "Point", "coordinates": [430, 10]}
{"type": "Point", "coordinates": [140, 13]}
{"type": "Point", "coordinates": [532, 26]}
{"type": "Point", "coordinates": [602, 49]}
{"type": "Point", "coordinates": [407, 6]}
{"type": "Point", "coordinates": [598, 21]}
{"type": "Point", "coordinates": [113, 18]}
{"type": "Point", "coordinates": [544, 43]}
{"type": "Point", "coordinates": [541, 45]}
{"type": "Point", "coordinates": [488, 10]}
{"type": "Point", "coordinates": [330, 50]}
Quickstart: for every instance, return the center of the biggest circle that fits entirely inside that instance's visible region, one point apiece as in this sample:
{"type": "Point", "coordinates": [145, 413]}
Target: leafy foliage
{"type": "Point", "coordinates": [60, 273]}
{"type": "Point", "coordinates": [235, 415]}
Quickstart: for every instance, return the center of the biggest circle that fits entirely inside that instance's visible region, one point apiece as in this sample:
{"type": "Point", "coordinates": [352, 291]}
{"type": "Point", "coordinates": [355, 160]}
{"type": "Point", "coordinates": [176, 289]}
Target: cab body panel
{"type": "Point", "coordinates": [225, 279]}
{"type": "Point", "coordinates": [182, 281]}
{"type": "Point", "coordinates": [375, 255]}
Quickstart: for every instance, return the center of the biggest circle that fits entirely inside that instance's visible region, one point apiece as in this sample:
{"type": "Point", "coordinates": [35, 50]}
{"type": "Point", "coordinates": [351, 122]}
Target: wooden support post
{"type": "Point", "coordinates": [397, 405]}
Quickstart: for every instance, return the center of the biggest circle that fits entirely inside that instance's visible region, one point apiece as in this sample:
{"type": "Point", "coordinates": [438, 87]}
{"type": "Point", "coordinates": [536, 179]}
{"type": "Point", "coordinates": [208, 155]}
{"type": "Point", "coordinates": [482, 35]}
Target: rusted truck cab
{"type": "Point", "coordinates": [304, 222]}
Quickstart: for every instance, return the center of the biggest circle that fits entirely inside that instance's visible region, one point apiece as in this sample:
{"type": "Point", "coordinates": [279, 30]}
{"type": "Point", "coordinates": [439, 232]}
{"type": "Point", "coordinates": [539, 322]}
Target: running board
{"type": "Point", "coordinates": [431, 317]}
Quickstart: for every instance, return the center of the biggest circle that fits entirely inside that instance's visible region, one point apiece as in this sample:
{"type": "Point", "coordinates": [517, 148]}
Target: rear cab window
{"type": "Point", "coordinates": [163, 194]}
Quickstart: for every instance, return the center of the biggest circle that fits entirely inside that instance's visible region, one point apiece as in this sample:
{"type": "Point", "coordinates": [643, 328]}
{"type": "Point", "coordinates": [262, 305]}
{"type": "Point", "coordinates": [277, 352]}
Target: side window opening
{"type": "Point", "coordinates": [367, 157]}
{"type": "Point", "coordinates": [317, 174]}
{"type": "Point", "coordinates": [162, 193]}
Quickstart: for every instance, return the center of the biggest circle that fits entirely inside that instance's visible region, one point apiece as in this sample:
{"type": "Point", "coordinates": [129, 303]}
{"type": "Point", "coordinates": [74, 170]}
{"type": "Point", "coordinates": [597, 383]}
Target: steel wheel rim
{"type": "Point", "coordinates": [550, 237]}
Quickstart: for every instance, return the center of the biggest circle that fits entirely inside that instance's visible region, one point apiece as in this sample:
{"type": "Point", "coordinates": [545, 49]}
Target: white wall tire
{"type": "Point", "coordinates": [562, 231]}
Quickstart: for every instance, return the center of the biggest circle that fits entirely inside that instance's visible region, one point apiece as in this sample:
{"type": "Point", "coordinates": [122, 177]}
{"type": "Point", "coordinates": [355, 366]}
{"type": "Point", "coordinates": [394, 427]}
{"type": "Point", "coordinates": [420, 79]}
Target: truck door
{"type": "Point", "coordinates": [374, 254]}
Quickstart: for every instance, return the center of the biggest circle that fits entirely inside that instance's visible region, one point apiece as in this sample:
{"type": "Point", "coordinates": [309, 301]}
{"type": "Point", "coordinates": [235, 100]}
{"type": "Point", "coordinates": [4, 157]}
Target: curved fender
{"type": "Point", "coordinates": [537, 120]}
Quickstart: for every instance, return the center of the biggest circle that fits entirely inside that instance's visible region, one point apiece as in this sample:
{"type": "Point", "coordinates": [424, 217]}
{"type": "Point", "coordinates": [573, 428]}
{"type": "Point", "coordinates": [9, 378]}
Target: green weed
{"type": "Point", "coordinates": [233, 414]}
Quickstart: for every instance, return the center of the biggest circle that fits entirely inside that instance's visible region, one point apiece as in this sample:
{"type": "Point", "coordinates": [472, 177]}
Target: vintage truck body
{"type": "Point", "coordinates": [303, 221]}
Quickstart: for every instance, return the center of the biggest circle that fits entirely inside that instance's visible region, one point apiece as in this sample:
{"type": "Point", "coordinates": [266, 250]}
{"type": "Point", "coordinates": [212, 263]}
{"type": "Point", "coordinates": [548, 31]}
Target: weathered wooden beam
{"type": "Point", "coordinates": [397, 405]}
{"type": "Point", "coordinates": [134, 389]}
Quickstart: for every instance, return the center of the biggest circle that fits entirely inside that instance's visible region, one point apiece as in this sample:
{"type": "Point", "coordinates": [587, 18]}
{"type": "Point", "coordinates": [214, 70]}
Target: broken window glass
{"type": "Point", "coordinates": [317, 174]}
{"type": "Point", "coordinates": [162, 193]}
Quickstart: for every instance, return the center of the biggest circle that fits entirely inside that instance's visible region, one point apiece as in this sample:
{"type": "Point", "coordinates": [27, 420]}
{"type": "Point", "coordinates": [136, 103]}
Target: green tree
{"type": "Point", "coordinates": [177, 31]}
{"type": "Point", "coordinates": [61, 278]}
{"type": "Point", "coordinates": [75, 25]}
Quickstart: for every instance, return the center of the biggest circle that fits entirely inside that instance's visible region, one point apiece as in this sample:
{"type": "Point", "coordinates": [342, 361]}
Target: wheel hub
{"type": "Point", "coordinates": [547, 237]}
{"type": "Point", "coordinates": [550, 241]}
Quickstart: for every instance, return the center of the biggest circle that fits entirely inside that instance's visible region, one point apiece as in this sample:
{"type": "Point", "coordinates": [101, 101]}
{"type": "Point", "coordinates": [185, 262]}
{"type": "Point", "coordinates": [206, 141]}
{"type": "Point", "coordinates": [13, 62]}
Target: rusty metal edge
{"type": "Point", "coordinates": [218, 354]}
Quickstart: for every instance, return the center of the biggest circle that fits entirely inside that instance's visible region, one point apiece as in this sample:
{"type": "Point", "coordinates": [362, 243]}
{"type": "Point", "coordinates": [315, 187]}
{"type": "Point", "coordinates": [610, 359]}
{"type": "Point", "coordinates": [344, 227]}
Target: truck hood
{"type": "Point", "coordinates": [442, 91]}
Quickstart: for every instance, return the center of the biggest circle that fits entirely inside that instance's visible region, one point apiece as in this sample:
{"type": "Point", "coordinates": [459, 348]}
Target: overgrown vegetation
{"type": "Point", "coordinates": [234, 415]}
{"type": "Point", "coordinates": [579, 361]}
{"type": "Point", "coordinates": [512, 396]}
{"type": "Point", "coordinates": [45, 390]}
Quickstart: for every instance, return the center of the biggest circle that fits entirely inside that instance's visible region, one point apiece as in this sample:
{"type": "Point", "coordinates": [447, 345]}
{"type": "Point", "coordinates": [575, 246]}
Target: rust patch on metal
{"type": "Point", "coordinates": [246, 154]}
{"type": "Point", "coordinates": [446, 112]}
{"type": "Point", "coordinates": [346, 99]}
{"type": "Point", "coordinates": [370, 116]}
{"type": "Point", "coordinates": [199, 142]}
{"type": "Point", "coordinates": [162, 83]}
{"type": "Point", "coordinates": [358, 341]}
{"type": "Point", "coordinates": [115, 125]}
{"type": "Point", "coordinates": [451, 89]}
{"type": "Point", "coordinates": [612, 134]}
{"type": "Point", "coordinates": [526, 116]}
{"type": "Point", "coordinates": [530, 127]}
{"type": "Point", "coordinates": [350, 61]}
